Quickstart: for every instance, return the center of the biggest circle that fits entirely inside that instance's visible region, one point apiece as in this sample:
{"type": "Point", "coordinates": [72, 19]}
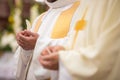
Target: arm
{"type": "Point", "coordinates": [98, 59]}
{"type": "Point", "coordinates": [23, 55]}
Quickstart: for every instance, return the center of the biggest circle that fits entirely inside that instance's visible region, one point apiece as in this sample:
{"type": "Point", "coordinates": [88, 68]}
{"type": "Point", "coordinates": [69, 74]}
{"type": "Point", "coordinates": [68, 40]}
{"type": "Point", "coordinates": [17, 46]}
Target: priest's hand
{"type": "Point", "coordinates": [49, 57]}
{"type": "Point", "coordinates": [27, 39]}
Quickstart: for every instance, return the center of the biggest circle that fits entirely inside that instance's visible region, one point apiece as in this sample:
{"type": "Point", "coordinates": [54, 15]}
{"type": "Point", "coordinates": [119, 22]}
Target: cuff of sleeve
{"type": "Point", "coordinates": [26, 52]}
{"type": "Point", "coordinates": [87, 68]}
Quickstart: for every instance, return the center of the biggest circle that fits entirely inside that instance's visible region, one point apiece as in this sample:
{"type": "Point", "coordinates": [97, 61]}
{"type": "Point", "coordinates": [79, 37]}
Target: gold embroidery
{"type": "Point", "coordinates": [79, 26]}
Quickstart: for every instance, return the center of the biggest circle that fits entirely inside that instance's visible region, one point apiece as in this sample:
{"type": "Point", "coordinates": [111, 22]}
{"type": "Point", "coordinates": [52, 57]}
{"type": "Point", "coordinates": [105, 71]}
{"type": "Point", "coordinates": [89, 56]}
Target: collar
{"type": "Point", "coordinates": [60, 3]}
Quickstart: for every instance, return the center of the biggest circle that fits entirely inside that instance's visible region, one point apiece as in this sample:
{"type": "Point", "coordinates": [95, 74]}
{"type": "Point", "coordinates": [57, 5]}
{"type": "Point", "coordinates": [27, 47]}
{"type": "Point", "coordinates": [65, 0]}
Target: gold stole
{"type": "Point", "coordinates": [38, 23]}
{"type": "Point", "coordinates": [62, 24]}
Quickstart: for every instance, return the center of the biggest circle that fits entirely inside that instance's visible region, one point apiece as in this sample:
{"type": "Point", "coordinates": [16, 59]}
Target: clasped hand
{"type": "Point", "coordinates": [49, 57]}
{"type": "Point", "coordinates": [27, 39]}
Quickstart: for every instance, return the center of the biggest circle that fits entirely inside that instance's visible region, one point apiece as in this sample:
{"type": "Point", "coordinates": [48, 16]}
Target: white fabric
{"type": "Point", "coordinates": [96, 55]}
{"type": "Point", "coordinates": [64, 74]}
{"type": "Point", "coordinates": [59, 3]}
{"type": "Point", "coordinates": [44, 40]}
{"type": "Point", "coordinates": [36, 71]}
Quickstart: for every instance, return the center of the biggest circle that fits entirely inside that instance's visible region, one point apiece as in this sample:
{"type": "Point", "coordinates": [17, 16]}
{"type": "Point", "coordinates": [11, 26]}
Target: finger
{"type": "Point", "coordinates": [26, 33]}
{"type": "Point", "coordinates": [45, 64]}
{"type": "Point", "coordinates": [23, 38]}
{"type": "Point", "coordinates": [50, 57]}
{"type": "Point", "coordinates": [52, 65]}
{"type": "Point", "coordinates": [22, 32]}
{"type": "Point", "coordinates": [20, 41]}
{"type": "Point", "coordinates": [44, 52]}
{"type": "Point", "coordinates": [17, 36]}
{"type": "Point", "coordinates": [20, 44]}
{"type": "Point", "coordinates": [51, 48]}
{"type": "Point", "coordinates": [42, 61]}
{"type": "Point", "coordinates": [57, 48]}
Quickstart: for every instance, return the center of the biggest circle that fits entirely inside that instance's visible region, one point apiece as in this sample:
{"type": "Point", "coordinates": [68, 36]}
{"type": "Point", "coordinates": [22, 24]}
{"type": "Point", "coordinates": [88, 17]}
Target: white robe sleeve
{"type": "Point", "coordinates": [96, 61]}
{"type": "Point", "coordinates": [23, 63]}
{"type": "Point", "coordinates": [23, 58]}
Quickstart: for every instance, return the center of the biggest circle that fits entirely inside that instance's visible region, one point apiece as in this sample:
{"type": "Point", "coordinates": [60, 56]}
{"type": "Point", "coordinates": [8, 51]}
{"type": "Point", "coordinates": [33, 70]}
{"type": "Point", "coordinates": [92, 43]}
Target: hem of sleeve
{"type": "Point", "coordinates": [27, 52]}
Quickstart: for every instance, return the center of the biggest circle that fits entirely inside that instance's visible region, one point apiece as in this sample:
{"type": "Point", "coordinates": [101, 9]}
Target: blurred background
{"type": "Point", "coordinates": [13, 14]}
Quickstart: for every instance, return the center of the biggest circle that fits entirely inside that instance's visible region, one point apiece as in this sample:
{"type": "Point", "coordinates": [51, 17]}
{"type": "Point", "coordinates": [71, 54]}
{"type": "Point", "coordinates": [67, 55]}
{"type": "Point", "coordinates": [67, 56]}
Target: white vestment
{"type": "Point", "coordinates": [31, 67]}
{"type": "Point", "coordinates": [96, 53]}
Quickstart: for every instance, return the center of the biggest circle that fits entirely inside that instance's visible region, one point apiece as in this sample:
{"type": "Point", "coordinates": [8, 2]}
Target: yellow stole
{"type": "Point", "coordinates": [62, 24]}
{"type": "Point", "coordinates": [38, 23]}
